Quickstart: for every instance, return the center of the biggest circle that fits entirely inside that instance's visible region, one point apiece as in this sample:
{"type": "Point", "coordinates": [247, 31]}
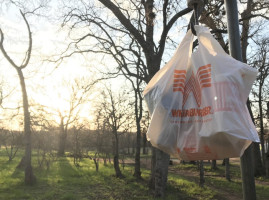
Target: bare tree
{"type": "Point", "coordinates": [102, 140]}
{"type": "Point", "coordinates": [43, 142]}
{"type": "Point", "coordinates": [79, 91]}
{"type": "Point", "coordinates": [138, 111]}
{"type": "Point", "coordinates": [261, 61]}
{"type": "Point", "coordinates": [114, 114]}
{"type": "Point", "coordinates": [12, 142]}
{"type": "Point", "coordinates": [77, 147]}
{"type": "Point", "coordinates": [29, 175]}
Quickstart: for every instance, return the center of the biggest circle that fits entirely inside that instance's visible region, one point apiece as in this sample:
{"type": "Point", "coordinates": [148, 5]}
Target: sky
{"type": "Point", "coordinates": [47, 83]}
{"type": "Point", "coordinates": [44, 80]}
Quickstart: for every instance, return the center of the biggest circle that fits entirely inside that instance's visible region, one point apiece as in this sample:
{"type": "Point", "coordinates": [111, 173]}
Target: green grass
{"type": "Point", "coordinates": [64, 181]}
{"type": "Point", "coordinates": [215, 179]}
{"type": "Point", "coordinates": [187, 189]}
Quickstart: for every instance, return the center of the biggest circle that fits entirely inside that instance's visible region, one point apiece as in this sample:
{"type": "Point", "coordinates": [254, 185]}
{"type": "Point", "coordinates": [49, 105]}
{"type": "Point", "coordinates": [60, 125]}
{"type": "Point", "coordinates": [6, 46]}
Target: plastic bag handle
{"type": "Point", "coordinates": [184, 45]}
{"type": "Point", "coordinates": [207, 41]}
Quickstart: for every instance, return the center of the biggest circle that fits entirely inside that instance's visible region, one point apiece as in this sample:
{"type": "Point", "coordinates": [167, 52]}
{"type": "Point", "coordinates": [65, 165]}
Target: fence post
{"type": "Point", "coordinates": [247, 173]}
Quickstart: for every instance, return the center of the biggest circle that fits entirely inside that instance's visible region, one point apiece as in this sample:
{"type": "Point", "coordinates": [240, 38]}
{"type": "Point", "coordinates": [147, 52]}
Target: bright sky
{"type": "Point", "coordinates": [44, 83]}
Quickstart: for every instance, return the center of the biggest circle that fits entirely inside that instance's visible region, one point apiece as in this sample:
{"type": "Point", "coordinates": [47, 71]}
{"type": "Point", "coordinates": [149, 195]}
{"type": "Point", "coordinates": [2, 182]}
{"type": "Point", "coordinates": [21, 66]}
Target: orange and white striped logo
{"type": "Point", "coordinates": [195, 84]}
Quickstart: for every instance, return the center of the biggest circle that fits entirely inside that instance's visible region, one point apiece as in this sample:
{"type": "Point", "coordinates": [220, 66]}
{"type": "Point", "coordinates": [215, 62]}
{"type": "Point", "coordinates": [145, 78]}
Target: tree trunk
{"type": "Point", "coordinates": [261, 124]}
{"type": "Point", "coordinates": [138, 117]}
{"type": "Point", "coordinates": [62, 139]}
{"type": "Point", "coordinates": [29, 175]}
{"type": "Point", "coordinates": [227, 169]}
{"type": "Point", "coordinates": [161, 172]}
{"type": "Point", "coordinates": [22, 164]}
{"type": "Point", "coordinates": [255, 149]}
{"type": "Point", "coordinates": [116, 158]}
{"type": "Point", "coordinates": [128, 149]}
{"type": "Point", "coordinates": [153, 164]}
{"type": "Point", "coordinates": [202, 173]}
{"type": "Point", "coordinates": [214, 165]}
{"type": "Point", "coordinates": [144, 143]}
{"type": "Point", "coordinates": [137, 172]}
{"type": "Point", "coordinates": [109, 160]}
{"type": "Point", "coordinates": [223, 162]}
{"type": "Point", "coordinates": [267, 153]}
{"type": "Point", "coordinates": [96, 162]}
{"type": "Point", "coordinates": [105, 158]}
{"type": "Point", "coordinates": [133, 148]}
{"type": "Point", "coordinates": [247, 180]}
{"type": "Point", "coordinates": [257, 162]}
{"type": "Point", "coordinates": [267, 165]}
{"type": "Point", "coordinates": [116, 167]}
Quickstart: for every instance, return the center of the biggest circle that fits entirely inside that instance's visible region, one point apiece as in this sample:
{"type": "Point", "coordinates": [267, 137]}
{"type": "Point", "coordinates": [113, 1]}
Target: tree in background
{"type": "Point", "coordinates": [79, 91]}
{"type": "Point", "coordinates": [11, 141]}
{"type": "Point", "coordinates": [260, 60]}
{"type": "Point", "coordinates": [77, 146]}
{"type": "Point", "coordinates": [114, 112]}
{"type": "Point", "coordinates": [102, 141]}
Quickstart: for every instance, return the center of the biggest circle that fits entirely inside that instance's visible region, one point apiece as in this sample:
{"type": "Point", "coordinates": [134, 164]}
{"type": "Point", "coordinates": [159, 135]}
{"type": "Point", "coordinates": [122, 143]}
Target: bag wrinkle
{"type": "Point", "coordinates": [197, 102]}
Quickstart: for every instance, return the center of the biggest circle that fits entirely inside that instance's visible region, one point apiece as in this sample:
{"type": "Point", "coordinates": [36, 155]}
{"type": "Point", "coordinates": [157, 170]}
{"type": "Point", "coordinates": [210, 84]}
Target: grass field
{"type": "Point", "coordinates": [63, 180]}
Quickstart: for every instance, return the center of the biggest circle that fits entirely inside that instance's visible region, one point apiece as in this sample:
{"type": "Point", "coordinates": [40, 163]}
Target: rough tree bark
{"type": "Point", "coordinates": [257, 164]}
{"type": "Point", "coordinates": [161, 172]}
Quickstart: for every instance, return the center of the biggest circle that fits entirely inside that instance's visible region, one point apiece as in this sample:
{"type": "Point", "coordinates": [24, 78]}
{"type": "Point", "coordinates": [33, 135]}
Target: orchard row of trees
{"type": "Point", "coordinates": [139, 37]}
{"type": "Point", "coordinates": [80, 143]}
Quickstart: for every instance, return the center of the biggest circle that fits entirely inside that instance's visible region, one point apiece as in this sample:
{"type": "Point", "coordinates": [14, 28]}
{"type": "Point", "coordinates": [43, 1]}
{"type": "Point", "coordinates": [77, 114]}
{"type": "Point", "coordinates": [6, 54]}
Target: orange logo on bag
{"type": "Point", "coordinates": [189, 149]}
{"type": "Point", "coordinates": [179, 80]}
{"type": "Point", "coordinates": [194, 84]}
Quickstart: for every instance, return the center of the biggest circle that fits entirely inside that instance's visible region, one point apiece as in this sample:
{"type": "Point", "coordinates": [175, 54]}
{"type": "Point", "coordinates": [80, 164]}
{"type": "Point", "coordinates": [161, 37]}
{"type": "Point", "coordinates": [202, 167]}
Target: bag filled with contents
{"type": "Point", "coordinates": [197, 102]}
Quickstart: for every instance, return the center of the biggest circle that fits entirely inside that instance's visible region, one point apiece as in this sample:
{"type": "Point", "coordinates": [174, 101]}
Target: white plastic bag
{"type": "Point", "coordinates": [197, 102]}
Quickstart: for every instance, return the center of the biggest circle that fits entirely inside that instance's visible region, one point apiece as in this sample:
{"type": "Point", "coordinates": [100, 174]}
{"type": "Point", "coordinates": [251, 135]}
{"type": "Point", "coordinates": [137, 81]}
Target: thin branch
{"type": "Point", "coordinates": [168, 27]}
{"type": "Point", "coordinates": [28, 53]}
{"type": "Point", "coordinates": [125, 22]}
